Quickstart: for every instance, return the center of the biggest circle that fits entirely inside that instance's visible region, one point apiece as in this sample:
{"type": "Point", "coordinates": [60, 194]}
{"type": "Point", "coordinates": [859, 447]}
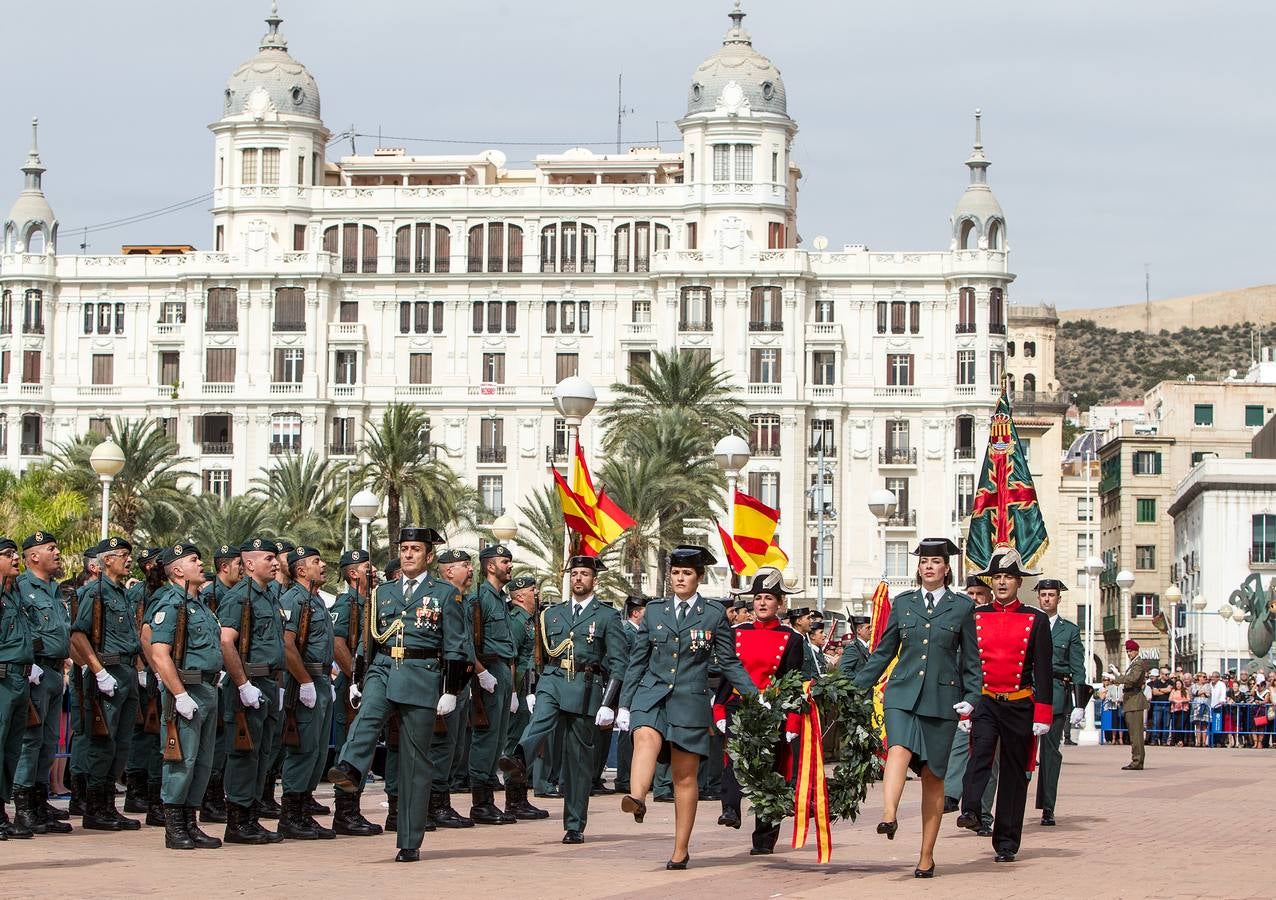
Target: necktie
{"type": "Point", "coordinates": [411, 588]}
{"type": "Point", "coordinates": [930, 602]}
{"type": "Point", "coordinates": [575, 611]}
{"type": "Point", "coordinates": [682, 611]}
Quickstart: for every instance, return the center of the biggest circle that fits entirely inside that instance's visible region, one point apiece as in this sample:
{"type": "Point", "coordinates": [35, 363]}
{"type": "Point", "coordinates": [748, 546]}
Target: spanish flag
{"type": "Point", "coordinates": [753, 544]}
{"type": "Point", "coordinates": [881, 612]}
{"type": "Point", "coordinates": [607, 521]}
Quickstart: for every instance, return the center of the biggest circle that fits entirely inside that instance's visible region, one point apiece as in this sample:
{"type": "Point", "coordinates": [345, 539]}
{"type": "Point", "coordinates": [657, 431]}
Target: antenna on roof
{"type": "Point", "coordinates": [621, 111]}
{"type": "Point", "coordinates": [353, 152]}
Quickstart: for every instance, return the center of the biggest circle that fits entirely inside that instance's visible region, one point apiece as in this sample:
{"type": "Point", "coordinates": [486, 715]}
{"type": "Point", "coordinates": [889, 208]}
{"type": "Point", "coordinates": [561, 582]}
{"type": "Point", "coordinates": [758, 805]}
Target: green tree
{"type": "Point", "coordinates": [38, 500]}
{"type": "Point", "coordinates": [215, 521]}
{"type": "Point", "coordinates": [303, 500]}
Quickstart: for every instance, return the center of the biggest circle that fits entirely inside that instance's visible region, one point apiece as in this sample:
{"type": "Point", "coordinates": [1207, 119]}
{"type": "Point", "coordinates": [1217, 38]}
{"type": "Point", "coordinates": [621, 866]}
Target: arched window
{"type": "Point", "coordinates": [634, 242]}
{"type": "Point", "coordinates": [568, 247]}
{"type": "Point", "coordinates": [1010, 348]}
{"type": "Point", "coordinates": [10, 239]}
{"type": "Point", "coordinates": [285, 433]}
{"type": "Point", "coordinates": [1029, 349]}
{"type": "Point", "coordinates": [35, 239]}
{"type": "Point", "coordinates": [422, 248]}
{"type": "Point", "coordinates": [495, 247]}
{"type": "Point", "coordinates": [357, 246]}
{"type": "Point", "coordinates": [968, 235]}
{"type": "Point", "coordinates": [32, 434]}
{"type": "Point", "coordinates": [1030, 384]}
{"type": "Point", "coordinates": [994, 234]}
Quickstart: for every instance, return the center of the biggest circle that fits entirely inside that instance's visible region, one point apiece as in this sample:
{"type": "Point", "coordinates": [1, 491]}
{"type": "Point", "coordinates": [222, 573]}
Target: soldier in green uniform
{"type": "Point", "coordinates": [457, 570]}
{"type": "Point", "coordinates": [76, 763]}
{"type": "Point", "coordinates": [308, 655]}
{"type": "Point", "coordinates": [50, 628]}
{"type": "Point", "coordinates": [186, 654]}
{"type": "Point", "coordinates": [581, 642]}
{"type": "Point", "coordinates": [228, 571]}
{"type": "Point", "coordinates": [494, 674]}
{"type": "Point", "coordinates": [349, 612]}
{"type": "Point", "coordinates": [523, 622]}
{"type": "Point", "coordinates": [143, 765]}
{"type": "Point", "coordinates": [267, 806]}
{"type": "Point", "coordinates": [16, 671]}
{"type": "Point", "coordinates": [1068, 665]}
{"type": "Point", "coordinates": [855, 650]}
{"type": "Point", "coordinates": [635, 609]}
{"type": "Point", "coordinates": [252, 653]}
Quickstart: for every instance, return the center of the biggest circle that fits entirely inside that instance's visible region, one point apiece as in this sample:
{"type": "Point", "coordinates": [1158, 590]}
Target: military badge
{"type": "Point", "coordinates": [158, 618]}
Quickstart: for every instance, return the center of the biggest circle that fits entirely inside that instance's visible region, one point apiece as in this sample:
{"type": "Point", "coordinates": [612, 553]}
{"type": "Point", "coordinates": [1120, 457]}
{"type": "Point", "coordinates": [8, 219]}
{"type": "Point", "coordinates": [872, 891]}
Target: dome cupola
{"type": "Point", "coordinates": [31, 226]}
{"type": "Point", "coordinates": [737, 77]}
{"type": "Point", "coordinates": [272, 81]}
{"type": "Point", "coordinates": [978, 222]}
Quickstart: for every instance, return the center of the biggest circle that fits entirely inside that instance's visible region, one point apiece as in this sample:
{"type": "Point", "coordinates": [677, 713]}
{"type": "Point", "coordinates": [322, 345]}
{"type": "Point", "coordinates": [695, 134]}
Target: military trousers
{"type": "Point", "coordinates": [546, 767]}
{"type": "Point", "coordinates": [105, 756]}
{"type": "Point", "coordinates": [40, 742]}
{"type": "Point", "coordinates": [416, 731]}
{"type": "Point", "coordinates": [185, 780]}
{"type": "Point", "coordinates": [487, 743]}
{"type": "Point", "coordinates": [956, 775]}
{"type": "Point", "coordinates": [14, 701]}
{"type": "Point", "coordinates": [146, 752]}
{"type": "Point", "coordinates": [304, 764]}
{"type": "Point", "coordinates": [246, 770]}
{"type": "Point", "coordinates": [341, 708]}
{"type": "Point", "coordinates": [576, 777]}
{"type": "Point", "coordinates": [369, 721]}
{"type": "Point", "coordinates": [1134, 722]}
{"type": "Point", "coordinates": [445, 746]}
{"type": "Point", "coordinates": [1050, 761]}
{"type": "Point", "coordinates": [1000, 728]}
{"type": "Point", "coordinates": [624, 759]}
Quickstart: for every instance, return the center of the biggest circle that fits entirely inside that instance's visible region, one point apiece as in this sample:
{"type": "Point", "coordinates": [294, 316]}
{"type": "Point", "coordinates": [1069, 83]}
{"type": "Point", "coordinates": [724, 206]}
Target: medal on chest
{"type": "Point", "coordinates": [589, 638]}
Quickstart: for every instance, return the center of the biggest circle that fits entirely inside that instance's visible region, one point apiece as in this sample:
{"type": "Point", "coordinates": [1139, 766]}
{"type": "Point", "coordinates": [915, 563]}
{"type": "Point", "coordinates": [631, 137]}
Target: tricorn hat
{"type": "Point", "coordinates": [586, 562]}
{"type": "Point", "coordinates": [1007, 561]}
{"type": "Point", "coordinates": [766, 580]}
{"type": "Point", "coordinates": [1051, 584]}
{"type": "Point", "coordinates": [936, 547]}
{"type": "Point", "coordinates": [420, 533]}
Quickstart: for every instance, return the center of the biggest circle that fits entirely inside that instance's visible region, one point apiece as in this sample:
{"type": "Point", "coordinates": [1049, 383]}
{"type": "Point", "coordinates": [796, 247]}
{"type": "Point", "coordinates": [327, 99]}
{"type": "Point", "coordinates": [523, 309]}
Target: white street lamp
{"type": "Point", "coordinates": [1093, 569]}
{"type": "Point", "coordinates": [574, 398]}
{"type": "Point", "coordinates": [731, 454]}
{"type": "Point", "coordinates": [1125, 581]}
{"type": "Point", "coordinates": [882, 503]}
{"type": "Point", "coordinates": [364, 506]}
{"type": "Point", "coordinates": [504, 528]}
{"type": "Point", "coordinates": [1173, 597]}
{"type": "Point", "coordinates": [107, 460]}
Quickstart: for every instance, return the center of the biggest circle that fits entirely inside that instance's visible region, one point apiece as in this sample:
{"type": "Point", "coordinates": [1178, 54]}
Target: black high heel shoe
{"type": "Point", "coordinates": [633, 805]}
{"type": "Point", "coordinates": [925, 873]}
{"type": "Point", "coordinates": [678, 865]}
{"type": "Point", "coordinates": [888, 829]}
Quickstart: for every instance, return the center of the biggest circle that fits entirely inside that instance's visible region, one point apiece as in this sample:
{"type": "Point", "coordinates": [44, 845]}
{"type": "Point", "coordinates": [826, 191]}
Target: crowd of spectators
{"type": "Point", "coordinates": [1218, 709]}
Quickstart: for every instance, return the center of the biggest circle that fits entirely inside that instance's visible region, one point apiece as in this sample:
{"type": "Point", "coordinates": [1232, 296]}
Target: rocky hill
{"type": "Point", "coordinates": [1252, 304]}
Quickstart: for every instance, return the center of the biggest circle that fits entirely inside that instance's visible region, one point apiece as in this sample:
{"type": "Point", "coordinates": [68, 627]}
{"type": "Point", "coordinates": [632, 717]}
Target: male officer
{"type": "Point", "coordinates": [523, 619]}
{"type": "Point", "coordinates": [1133, 703]}
{"type": "Point", "coordinates": [457, 570]}
{"type": "Point", "coordinates": [585, 654]}
{"type": "Point", "coordinates": [16, 658]}
{"type": "Point", "coordinates": [977, 590]}
{"type": "Point", "coordinates": [253, 653]}
{"type": "Point", "coordinates": [50, 628]}
{"type": "Point", "coordinates": [635, 609]}
{"type": "Point", "coordinates": [143, 766]}
{"type": "Point", "coordinates": [494, 672]}
{"type": "Point", "coordinates": [1069, 673]}
{"type": "Point", "coordinates": [800, 620]}
{"type": "Point", "coordinates": [104, 638]}
{"type": "Point", "coordinates": [349, 615]}
{"type": "Point", "coordinates": [186, 654]}
{"type": "Point", "coordinates": [228, 572]}
{"type": "Point", "coordinates": [267, 806]}
{"type": "Point", "coordinates": [855, 651]}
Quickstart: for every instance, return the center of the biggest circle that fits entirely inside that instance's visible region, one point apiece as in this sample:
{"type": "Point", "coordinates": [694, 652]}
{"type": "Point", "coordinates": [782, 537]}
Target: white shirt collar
{"type": "Point", "coordinates": [690, 601]}
{"type": "Point", "coordinates": [1053, 619]}
{"type": "Point", "coordinates": [582, 603]}
{"type": "Point", "coordinates": [404, 584]}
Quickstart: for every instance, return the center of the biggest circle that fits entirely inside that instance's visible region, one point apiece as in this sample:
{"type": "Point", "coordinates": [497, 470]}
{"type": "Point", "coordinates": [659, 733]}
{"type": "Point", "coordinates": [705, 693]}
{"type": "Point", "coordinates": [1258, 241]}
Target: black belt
{"type": "Point", "coordinates": [489, 658]}
{"type": "Point", "coordinates": [316, 669]}
{"type": "Point", "coordinates": [49, 662]}
{"type": "Point", "coordinates": [117, 659]}
{"type": "Point", "coordinates": [8, 668]}
{"type": "Point", "coordinates": [197, 676]}
{"type": "Point", "coordinates": [260, 670]}
{"type": "Point", "coordinates": [400, 653]}
{"type": "Point", "coordinates": [592, 668]}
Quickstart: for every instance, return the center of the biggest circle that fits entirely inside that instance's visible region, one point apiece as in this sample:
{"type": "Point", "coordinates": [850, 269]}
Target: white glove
{"type": "Point", "coordinates": [307, 694]}
{"type": "Point", "coordinates": [1077, 715]}
{"type": "Point", "coordinates": [790, 737]}
{"type": "Point", "coordinates": [606, 716]}
{"type": "Point", "coordinates": [622, 719]}
{"type": "Point", "coordinates": [336, 669]}
{"type": "Point", "coordinates": [1039, 728]}
{"type": "Point", "coordinates": [963, 708]}
{"type": "Point", "coordinates": [531, 703]}
{"type": "Point", "coordinates": [721, 725]}
{"type": "Point", "coordinates": [141, 678]}
{"type": "Point", "coordinates": [963, 725]}
{"type": "Point", "coordinates": [249, 695]}
{"type": "Point", "coordinates": [355, 694]}
{"type": "Point", "coordinates": [281, 698]}
{"type": "Point", "coordinates": [513, 703]}
{"type": "Point", "coordinates": [487, 681]}
{"type": "Point", "coordinates": [446, 705]}
{"type": "Point", "coordinates": [184, 705]}
{"type": "Point", "coordinates": [332, 687]}
{"type": "Point", "coordinates": [36, 674]}
{"type": "Point", "coordinates": [106, 682]}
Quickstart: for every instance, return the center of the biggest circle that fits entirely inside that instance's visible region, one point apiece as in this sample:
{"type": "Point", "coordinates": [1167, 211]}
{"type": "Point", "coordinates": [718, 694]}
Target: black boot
{"type": "Point", "coordinates": [96, 818]}
{"type": "Point", "coordinates": [392, 815]}
{"type": "Point", "coordinates": [345, 777]}
{"type": "Point", "coordinates": [348, 820]}
{"type": "Point", "coordinates": [40, 806]}
{"type": "Point", "coordinates": [213, 808]}
{"type": "Point", "coordinates": [267, 807]}
{"type": "Point", "coordinates": [79, 795]}
{"type": "Point", "coordinates": [321, 831]}
{"type": "Point", "coordinates": [127, 824]}
{"type": "Point", "coordinates": [445, 816]}
{"type": "Point", "coordinates": [51, 812]}
{"type": "Point", "coordinates": [156, 816]}
{"type": "Point", "coordinates": [516, 803]}
{"type": "Point", "coordinates": [483, 811]}
{"type": "Point", "coordinates": [201, 840]}
{"type": "Point", "coordinates": [9, 829]}
{"type": "Point", "coordinates": [291, 825]}
{"type": "Point", "coordinates": [135, 791]}
{"type": "Point", "coordinates": [312, 807]}
{"type": "Point", "coordinates": [175, 836]}
{"type": "Point", "coordinates": [239, 827]}
{"type": "Point", "coordinates": [24, 811]}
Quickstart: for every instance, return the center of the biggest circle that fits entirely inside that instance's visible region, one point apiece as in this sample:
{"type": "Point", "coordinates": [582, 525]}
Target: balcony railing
{"type": "Point", "coordinates": [903, 519]}
{"type": "Point", "coordinates": [216, 448]}
{"type": "Point", "coordinates": [32, 449]}
{"type": "Point", "coordinates": [1040, 403]}
{"type": "Point", "coordinates": [219, 387]}
{"type": "Point", "coordinates": [897, 456]}
{"type": "Point", "coordinates": [282, 449]}
{"type": "Point", "coordinates": [963, 453]}
{"type": "Point", "coordinates": [555, 454]}
{"type": "Point", "coordinates": [290, 325]}
{"type": "Point", "coordinates": [1262, 557]}
{"type": "Point", "coordinates": [694, 325]}
{"type": "Point", "coordinates": [773, 450]}
{"type": "Point", "coordinates": [491, 454]}
{"type": "Point", "coordinates": [1110, 623]}
{"type": "Point", "coordinates": [33, 328]}
{"type": "Point", "coordinates": [996, 327]}
{"type": "Point", "coordinates": [894, 390]}
{"type": "Point", "coordinates": [221, 325]}
{"type": "Point", "coordinates": [965, 327]}
{"type": "Point", "coordinates": [813, 452]}
{"type": "Point", "coordinates": [766, 326]}
{"type": "Point", "coordinates": [342, 450]}
{"type": "Point", "coordinates": [285, 387]}
{"type": "Point", "coordinates": [763, 389]}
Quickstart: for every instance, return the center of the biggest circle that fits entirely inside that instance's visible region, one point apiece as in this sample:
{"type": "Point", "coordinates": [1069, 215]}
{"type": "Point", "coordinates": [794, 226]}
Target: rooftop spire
{"type": "Point", "coordinates": [273, 40]}
{"type": "Point", "coordinates": [34, 168]}
{"type": "Point", "coordinates": [736, 33]}
{"type": "Point", "coordinates": [978, 163]}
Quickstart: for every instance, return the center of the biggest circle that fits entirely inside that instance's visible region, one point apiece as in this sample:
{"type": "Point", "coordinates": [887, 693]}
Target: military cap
{"type": "Point", "coordinates": [586, 562]}
{"type": "Point", "coordinates": [39, 539]}
{"type": "Point", "coordinates": [766, 580]}
{"type": "Point", "coordinates": [691, 555]}
{"type": "Point", "coordinates": [111, 544]}
{"type": "Point", "coordinates": [1006, 561]}
{"type": "Point", "coordinates": [799, 612]}
{"type": "Point", "coordinates": [740, 603]}
{"type": "Point", "coordinates": [170, 555]}
{"type": "Point", "coordinates": [521, 583]}
{"type": "Point", "coordinates": [817, 622]}
{"type": "Point", "coordinates": [635, 601]}
{"type": "Point", "coordinates": [6, 544]}
{"type": "Point", "coordinates": [148, 555]}
{"type": "Point", "coordinates": [258, 545]}
{"type": "Point", "coordinates": [974, 581]}
{"type": "Point", "coordinates": [492, 551]}
{"type": "Point", "coordinates": [392, 568]}
{"type": "Point", "coordinates": [857, 621]}
{"type": "Point", "coordinates": [283, 546]}
{"type": "Point", "coordinates": [225, 551]}
{"type": "Point", "coordinates": [420, 533]}
{"type": "Point", "coordinates": [1051, 584]}
{"type": "Point", "coordinates": [297, 554]}
{"type": "Point", "coordinates": [936, 547]}
{"type": "Point", "coordinates": [353, 557]}
{"type": "Point", "coordinates": [453, 554]}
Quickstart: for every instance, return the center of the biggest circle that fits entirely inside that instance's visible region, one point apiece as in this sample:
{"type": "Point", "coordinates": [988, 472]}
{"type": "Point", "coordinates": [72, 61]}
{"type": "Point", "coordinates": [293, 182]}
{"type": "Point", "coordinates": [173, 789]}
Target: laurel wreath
{"type": "Point", "coordinates": [755, 731]}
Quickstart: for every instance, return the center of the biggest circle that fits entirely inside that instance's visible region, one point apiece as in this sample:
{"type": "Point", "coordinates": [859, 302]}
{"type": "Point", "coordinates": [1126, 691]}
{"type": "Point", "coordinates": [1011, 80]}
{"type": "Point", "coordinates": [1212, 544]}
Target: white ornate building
{"type": "Point", "coordinates": [455, 282]}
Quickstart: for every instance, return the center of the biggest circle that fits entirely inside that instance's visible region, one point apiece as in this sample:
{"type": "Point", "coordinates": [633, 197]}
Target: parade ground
{"type": "Point", "coordinates": [1192, 824]}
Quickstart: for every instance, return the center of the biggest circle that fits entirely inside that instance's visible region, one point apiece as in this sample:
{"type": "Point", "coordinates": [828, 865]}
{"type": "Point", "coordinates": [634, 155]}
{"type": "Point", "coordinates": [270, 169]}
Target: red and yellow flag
{"type": "Point", "coordinates": [590, 513]}
{"type": "Point", "coordinates": [881, 612]}
{"type": "Point", "coordinates": [754, 543]}
{"type": "Point", "coordinates": [810, 794]}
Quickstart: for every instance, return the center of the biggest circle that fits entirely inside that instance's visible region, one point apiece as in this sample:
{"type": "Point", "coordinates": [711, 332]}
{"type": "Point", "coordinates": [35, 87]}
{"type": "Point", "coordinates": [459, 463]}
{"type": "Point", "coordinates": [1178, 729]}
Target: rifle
{"type": "Point", "coordinates": [243, 737]}
{"type": "Point", "coordinates": [292, 736]}
{"type": "Point", "coordinates": [77, 676]}
{"type": "Point", "coordinates": [172, 737]}
{"type": "Point", "coordinates": [98, 729]}
{"type": "Point", "coordinates": [478, 712]}
{"type": "Point", "coordinates": [352, 641]}
{"type": "Point", "coordinates": [150, 718]}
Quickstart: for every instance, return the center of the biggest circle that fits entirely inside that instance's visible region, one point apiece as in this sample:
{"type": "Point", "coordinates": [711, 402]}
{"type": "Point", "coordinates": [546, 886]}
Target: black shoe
{"type": "Point", "coordinates": [730, 818]}
{"type": "Point", "coordinates": [514, 764]}
{"type": "Point", "coordinates": [405, 855]}
{"type": "Point", "coordinates": [678, 865]}
{"type": "Point", "coordinates": [925, 873]}
{"type": "Point", "coordinates": [9, 830]}
{"type": "Point", "coordinates": [266, 806]}
{"type": "Point", "coordinates": [291, 824]}
{"type": "Point", "coordinates": [573, 837]}
{"type": "Point", "coordinates": [760, 851]}
{"type": "Point", "coordinates": [347, 820]}
{"type": "Point", "coordinates": [633, 805]}
{"type": "Point", "coordinates": [24, 815]}
{"type": "Point", "coordinates": [96, 818]}
{"type": "Point", "coordinates": [1132, 768]}
{"type": "Point", "coordinates": [706, 797]}
{"type": "Point", "coordinates": [601, 791]}
{"type": "Point", "coordinates": [392, 813]}
{"type": "Point", "coordinates": [213, 808]}
{"type": "Point", "coordinates": [969, 820]}
{"type": "Point", "coordinates": [889, 829]}
{"type": "Point", "coordinates": [484, 811]}
{"type": "Point", "coordinates": [135, 792]}
{"type": "Point", "coordinates": [198, 838]}
{"type": "Point", "coordinates": [239, 827]}
{"type": "Point", "coordinates": [984, 831]}
{"type": "Point", "coordinates": [447, 817]}
{"type": "Point", "coordinates": [345, 777]}
{"type": "Point", "coordinates": [951, 805]}
{"type": "Point", "coordinates": [517, 806]}
{"type": "Point", "coordinates": [175, 836]}
{"type": "Point", "coordinates": [40, 806]}
{"type": "Point", "coordinates": [1047, 817]}
{"type": "Point", "coordinates": [323, 832]}
{"type": "Point", "coordinates": [312, 807]}
{"type": "Point", "coordinates": [552, 794]}
{"type": "Point", "coordinates": [1004, 856]}
{"type": "Point", "coordinates": [155, 816]}
{"type": "Point", "coordinates": [79, 795]}
{"type": "Point", "coordinates": [663, 798]}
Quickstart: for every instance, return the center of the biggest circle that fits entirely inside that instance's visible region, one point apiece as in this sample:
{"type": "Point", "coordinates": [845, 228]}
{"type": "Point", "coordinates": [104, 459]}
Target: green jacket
{"type": "Point", "coordinates": [498, 636]}
{"type": "Point", "coordinates": [597, 650]}
{"type": "Point", "coordinates": [938, 655]}
{"type": "Point", "coordinates": [431, 622]}
{"type": "Point", "coordinates": [524, 629]}
{"type": "Point", "coordinates": [119, 625]}
{"type": "Point", "coordinates": [203, 632]}
{"type": "Point", "coordinates": [47, 616]}
{"type": "Point", "coordinates": [266, 621]}
{"type": "Point", "coordinates": [347, 614]}
{"type": "Point", "coordinates": [854, 655]}
{"type": "Point", "coordinates": [1068, 663]}
{"type": "Point", "coordinates": [15, 631]}
{"type": "Point", "coordinates": [670, 662]}
{"type": "Point", "coordinates": [318, 648]}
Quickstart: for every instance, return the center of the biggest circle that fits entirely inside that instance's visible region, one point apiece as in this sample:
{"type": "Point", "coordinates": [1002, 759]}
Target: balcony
{"type": "Point", "coordinates": [345, 333]}
{"type": "Point", "coordinates": [99, 390]}
{"type": "Point", "coordinates": [32, 449]}
{"type": "Point", "coordinates": [996, 327]}
{"type": "Point", "coordinates": [766, 326]}
{"type": "Point", "coordinates": [903, 519]}
{"type": "Point", "coordinates": [491, 454]}
{"type": "Point", "coordinates": [284, 388]}
{"type": "Point", "coordinates": [769, 450]}
{"type": "Point", "coordinates": [766, 389]}
{"type": "Point", "coordinates": [963, 453]}
{"type": "Point", "coordinates": [965, 327]}
{"type": "Point", "coordinates": [1040, 403]}
{"type": "Point", "coordinates": [638, 330]}
{"type": "Point", "coordinates": [823, 391]}
{"type": "Point", "coordinates": [33, 391]}
{"type": "Point", "coordinates": [1110, 623]}
{"type": "Point", "coordinates": [168, 332]}
{"type": "Point", "coordinates": [216, 448]}
{"type": "Point", "coordinates": [221, 325]}
{"type": "Point", "coordinates": [285, 448]}
{"type": "Point", "coordinates": [896, 391]}
{"type": "Point", "coordinates": [824, 332]}
{"type": "Point", "coordinates": [695, 325]}
{"type": "Point", "coordinates": [555, 455]}
{"type": "Point", "coordinates": [342, 450]}
{"type": "Point", "coordinates": [418, 390]}
{"type": "Point", "coordinates": [813, 451]}
{"type": "Point", "coordinates": [218, 388]}
{"type": "Point", "coordinates": [167, 391]}
{"type": "Point", "coordinates": [33, 328]}
{"type": "Point", "coordinates": [491, 389]}
{"type": "Point", "coordinates": [1262, 557]}
{"type": "Point", "coordinates": [290, 325]}
{"type": "Point", "coordinates": [897, 456]}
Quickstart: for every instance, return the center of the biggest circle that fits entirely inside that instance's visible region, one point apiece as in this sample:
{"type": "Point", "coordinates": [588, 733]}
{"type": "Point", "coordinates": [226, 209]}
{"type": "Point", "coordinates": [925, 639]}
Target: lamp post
{"type": "Point", "coordinates": [1093, 568]}
{"type": "Point", "coordinates": [574, 398]}
{"type": "Point", "coordinates": [882, 503]}
{"type": "Point", "coordinates": [364, 506]}
{"type": "Point", "coordinates": [107, 460]}
{"type": "Point", "coordinates": [504, 528]}
{"type": "Point", "coordinates": [1125, 581]}
{"type": "Point", "coordinates": [1198, 609]}
{"type": "Point", "coordinates": [731, 454]}
{"type": "Point", "coordinates": [1173, 597]}
{"type": "Point", "coordinates": [1225, 613]}
{"type": "Point", "coordinates": [821, 508]}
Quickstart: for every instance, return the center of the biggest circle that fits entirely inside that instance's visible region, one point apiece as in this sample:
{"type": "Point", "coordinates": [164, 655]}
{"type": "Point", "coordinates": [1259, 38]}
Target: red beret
{"type": "Point", "coordinates": [1132, 644]}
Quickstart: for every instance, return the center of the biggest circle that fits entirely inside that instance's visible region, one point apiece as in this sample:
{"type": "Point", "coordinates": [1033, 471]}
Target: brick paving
{"type": "Point", "coordinates": [1111, 842]}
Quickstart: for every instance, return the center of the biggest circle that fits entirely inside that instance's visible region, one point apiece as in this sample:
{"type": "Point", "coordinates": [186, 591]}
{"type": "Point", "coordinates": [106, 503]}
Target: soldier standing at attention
{"type": "Point", "coordinates": [523, 613]}
{"type": "Point", "coordinates": [349, 614]}
{"type": "Point", "coordinates": [77, 762]}
{"type": "Point", "coordinates": [267, 806]}
{"type": "Point", "coordinates": [457, 570]}
{"type": "Point", "coordinates": [186, 653]}
{"type": "Point", "coordinates": [1133, 703]}
{"type": "Point", "coordinates": [229, 571]}
{"type": "Point", "coordinates": [253, 653]}
{"type": "Point", "coordinates": [16, 669]}
{"type": "Point", "coordinates": [143, 766]}
{"type": "Point", "coordinates": [855, 651]}
{"type": "Point", "coordinates": [1069, 677]}
{"type": "Point", "coordinates": [582, 642]}
{"type": "Point", "coordinates": [494, 672]}
{"type": "Point", "coordinates": [635, 609]}
{"type": "Point", "coordinates": [104, 637]}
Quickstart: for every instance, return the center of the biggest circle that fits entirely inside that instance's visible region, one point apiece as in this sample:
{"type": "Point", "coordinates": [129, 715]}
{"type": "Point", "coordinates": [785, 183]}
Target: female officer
{"type": "Point", "coordinates": [667, 690]}
{"type": "Point", "coordinates": [936, 680]}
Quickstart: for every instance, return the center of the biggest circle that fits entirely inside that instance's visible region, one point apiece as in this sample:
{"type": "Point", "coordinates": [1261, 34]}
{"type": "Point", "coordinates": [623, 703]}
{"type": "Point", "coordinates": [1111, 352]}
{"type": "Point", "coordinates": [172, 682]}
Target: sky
{"type": "Point", "coordinates": [1121, 134]}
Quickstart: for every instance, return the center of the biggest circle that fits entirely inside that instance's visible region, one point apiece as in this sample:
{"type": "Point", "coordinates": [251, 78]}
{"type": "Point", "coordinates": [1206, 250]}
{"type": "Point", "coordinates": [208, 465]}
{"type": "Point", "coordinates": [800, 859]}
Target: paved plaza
{"type": "Point", "coordinates": [1192, 824]}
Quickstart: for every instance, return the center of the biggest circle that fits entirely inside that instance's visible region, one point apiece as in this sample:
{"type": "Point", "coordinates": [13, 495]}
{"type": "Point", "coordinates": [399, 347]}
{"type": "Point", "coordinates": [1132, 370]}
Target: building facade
{"type": "Point", "coordinates": [334, 288]}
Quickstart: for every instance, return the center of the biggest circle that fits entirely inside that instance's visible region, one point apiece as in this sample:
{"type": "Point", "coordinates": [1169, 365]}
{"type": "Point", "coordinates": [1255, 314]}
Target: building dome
{"type": "Point", "coordinates": [272, 78]}
{"type": "Point", "coordinates": [978, 221]}
{"type": "Point", "coordinates": [31, 225]}
{"type": "Point", "coordinates": [760, 87]}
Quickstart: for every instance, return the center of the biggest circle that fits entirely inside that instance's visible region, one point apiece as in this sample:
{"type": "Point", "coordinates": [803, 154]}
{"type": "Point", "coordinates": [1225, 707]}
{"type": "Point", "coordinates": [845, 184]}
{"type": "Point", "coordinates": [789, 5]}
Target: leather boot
{"type": "Point", "coordinates": [516, 803]}
{"type": "Point", "coordinates": [40, 806]}
{"type": "Point", "coordinates": [24, 812]}
{"type": "Point", "coordinates": [312, 807]}
{"type": "Point", "coordinates": [201, 840]}
{"type": "Point", "coordinates": [272, 837]}
{"type": "Point", "coordinates": [267, 807]}
{"type": "Point", "coordinates": [79, 794]}
{"type": "Point", "coordinates": [321, 831]}
{"type": "Point", "coordinates": [155, 814]}
{"type": "Point", "coordinates": [127, 824]}
{"type": "Point", "coordinates": [348, 820]}
{"type": "Point", "coordinates": [175, 836]}
{"type": "Point", "coordinates": [444, 815]}
{"type": "Point", "coordinates": [392, 815]}
{"type": "Point", "coordinates": [483, 811]}
{"type": "Point", "coordinates": [213, 808]}
{"type": "Point", "coordinates": [291, 825]}
{"type": "Point", "coordinates": [135, 791]}
{"type": "Point", "coordinates": [9, 829]}
{"type": "Point", "coordinates": [239, 829]}
{"type": "Point", "coordinates": [96, 818]}
{"type": "Point", "coordinates": [51, 812]}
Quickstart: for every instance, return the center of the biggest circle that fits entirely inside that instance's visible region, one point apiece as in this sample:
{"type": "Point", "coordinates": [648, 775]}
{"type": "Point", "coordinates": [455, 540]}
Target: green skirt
{"type": "Point", "coordinates": [930, 739]}
{"type": "Point", "coordinates": [689, 740]}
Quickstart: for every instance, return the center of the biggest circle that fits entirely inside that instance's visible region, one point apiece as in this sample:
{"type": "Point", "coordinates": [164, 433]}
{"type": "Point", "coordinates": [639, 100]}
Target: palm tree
{"type": "Point", "coordinates": [540, 540]}
{"type": "Point", "coordinates": [38, 500]}
{"type": "Point", "coordinates": [302, 498]}
{"type": "Point", "coordinates": [216, 521]}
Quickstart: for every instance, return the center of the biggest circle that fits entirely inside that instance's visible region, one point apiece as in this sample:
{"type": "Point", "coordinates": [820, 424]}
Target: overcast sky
{"type": "Point", "coordinates": [1121, 133]}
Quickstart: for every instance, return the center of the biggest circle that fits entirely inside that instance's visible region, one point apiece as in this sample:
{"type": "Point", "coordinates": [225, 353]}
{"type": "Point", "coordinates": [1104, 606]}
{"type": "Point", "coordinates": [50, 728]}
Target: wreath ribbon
{"type": "Point", "coordinates": [811, 792]}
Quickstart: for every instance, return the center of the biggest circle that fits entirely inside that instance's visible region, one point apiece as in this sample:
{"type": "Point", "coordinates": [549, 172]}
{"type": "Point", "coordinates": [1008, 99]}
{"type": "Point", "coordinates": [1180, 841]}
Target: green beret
{"type": "Point", "coordinates": [522, 582]}
{"type": "Point", "coordinates": [351, 557]}
{"type": "Point", "coordinates": [6, 544]}
{"type": "Point", "coordinates": [258, 545]}
{"type": "Point", "coordinates": [453, 554]}
{"type": "Point", "coordinates": [172, 554]}
{"type": "Point", "coordinates": [225, 551]}
{"type": "Point", "coordinates": [39, 539]}
{"type": "Point", "coordinates": [492, 551]}
{"type": "Point", "coordinates": [297, 554]}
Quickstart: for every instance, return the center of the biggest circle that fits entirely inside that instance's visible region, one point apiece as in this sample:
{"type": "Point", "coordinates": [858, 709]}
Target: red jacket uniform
{"type": "Point", "coordinates": [767, 650]}
{"type": "Point", "coordinates": [1016, 655]}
